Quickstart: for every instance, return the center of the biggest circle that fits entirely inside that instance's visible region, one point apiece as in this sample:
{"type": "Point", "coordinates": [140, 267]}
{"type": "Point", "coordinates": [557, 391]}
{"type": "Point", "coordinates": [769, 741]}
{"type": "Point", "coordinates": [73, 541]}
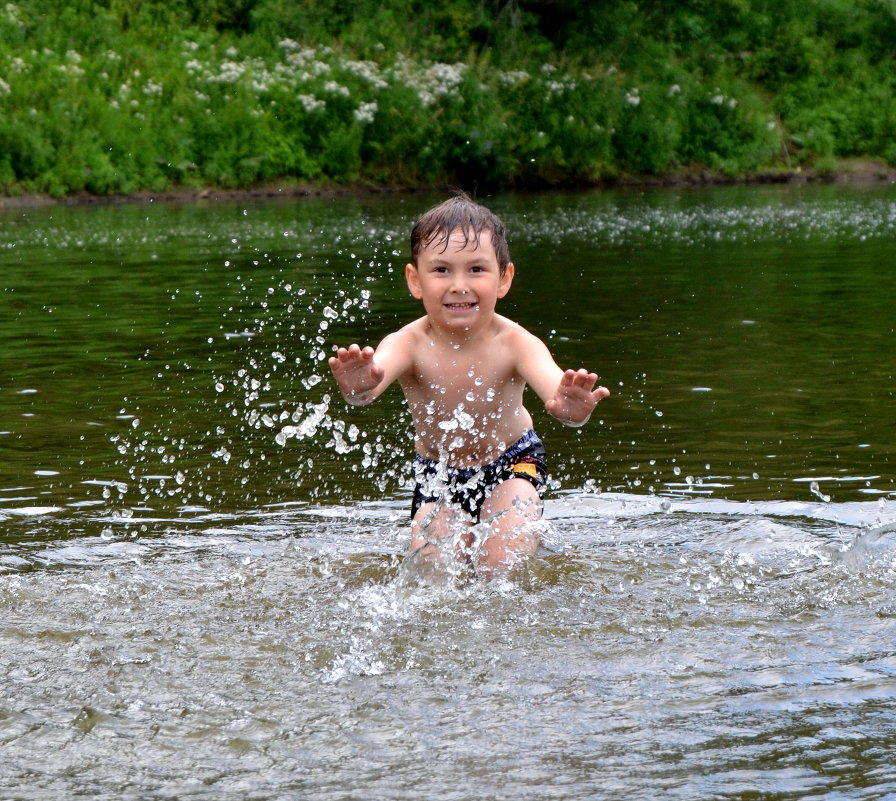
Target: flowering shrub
{"type": "Point", "coordinates": [91, 103]}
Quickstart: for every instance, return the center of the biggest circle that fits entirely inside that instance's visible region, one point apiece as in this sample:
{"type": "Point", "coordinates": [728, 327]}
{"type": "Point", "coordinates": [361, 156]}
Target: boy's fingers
{"type": "Point", "coordinates": [579, 378]}
{"type": "Point", "coordinates": [352, 352]}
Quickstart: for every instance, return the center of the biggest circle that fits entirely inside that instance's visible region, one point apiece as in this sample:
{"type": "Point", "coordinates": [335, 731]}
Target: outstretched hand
{"type": "Point", "coordinates": [355, 372]}
{"type": "Point", "coordinates": [576, 397]}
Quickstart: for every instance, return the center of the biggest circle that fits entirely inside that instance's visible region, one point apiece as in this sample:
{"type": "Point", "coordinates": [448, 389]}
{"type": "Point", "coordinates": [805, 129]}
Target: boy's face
{"type": "Point", "coordinates": [459, 284]}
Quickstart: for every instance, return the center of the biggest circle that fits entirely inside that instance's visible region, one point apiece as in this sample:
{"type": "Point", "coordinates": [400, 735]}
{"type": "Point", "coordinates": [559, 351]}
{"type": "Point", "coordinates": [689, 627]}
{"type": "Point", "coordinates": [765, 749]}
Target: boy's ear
{"type": "Point", "coordinates": [413, 279]}
{"type": "Point", "coordinates": [506, 280]}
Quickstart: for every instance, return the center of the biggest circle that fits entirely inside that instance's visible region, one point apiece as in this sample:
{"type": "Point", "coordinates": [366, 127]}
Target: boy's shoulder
{"type": "Point", "coordinates": [411, 331]}
{"type": "Point", "coordinates": [505, 327]}
{"type": "Point", "coordinates": [407, 339]}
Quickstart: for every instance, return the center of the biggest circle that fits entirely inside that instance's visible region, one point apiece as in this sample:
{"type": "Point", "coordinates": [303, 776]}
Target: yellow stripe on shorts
{"type": "Point", "coordinates": [526, 467]}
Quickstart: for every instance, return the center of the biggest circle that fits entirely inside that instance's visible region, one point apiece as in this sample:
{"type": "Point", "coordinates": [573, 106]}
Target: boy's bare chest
{"type": "Point", "coordinates": [474, 370]}
{"type": "Point", "coordinates": [475, 378]}
{"type": "Point", "coordinates": [466, 402]}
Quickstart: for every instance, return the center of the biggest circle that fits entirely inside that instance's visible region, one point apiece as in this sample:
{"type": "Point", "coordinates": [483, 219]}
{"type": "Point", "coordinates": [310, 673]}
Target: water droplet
{"type": "Point", "coordinates": [815, 490]}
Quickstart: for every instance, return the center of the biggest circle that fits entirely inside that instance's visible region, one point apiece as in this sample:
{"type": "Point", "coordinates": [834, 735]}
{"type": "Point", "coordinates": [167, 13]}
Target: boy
{"type": "Point", "coordinates": [463, 369]}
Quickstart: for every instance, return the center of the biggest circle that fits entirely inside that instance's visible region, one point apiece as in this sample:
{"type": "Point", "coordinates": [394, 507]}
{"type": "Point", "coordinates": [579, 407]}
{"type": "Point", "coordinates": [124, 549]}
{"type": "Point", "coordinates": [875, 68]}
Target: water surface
{"type": "Point", "coordinates": [201, 570]}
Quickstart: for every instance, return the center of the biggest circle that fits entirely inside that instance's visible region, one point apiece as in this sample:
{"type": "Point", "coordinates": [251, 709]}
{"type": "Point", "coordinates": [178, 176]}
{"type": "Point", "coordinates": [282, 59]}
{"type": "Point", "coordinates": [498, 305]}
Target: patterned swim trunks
{"type": "Point", "coordinates": [468, 488]}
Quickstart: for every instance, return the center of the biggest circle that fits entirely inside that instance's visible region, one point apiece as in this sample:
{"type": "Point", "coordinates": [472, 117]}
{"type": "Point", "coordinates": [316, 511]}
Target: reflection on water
{"type": "Point", "coordinates": [200, 547]}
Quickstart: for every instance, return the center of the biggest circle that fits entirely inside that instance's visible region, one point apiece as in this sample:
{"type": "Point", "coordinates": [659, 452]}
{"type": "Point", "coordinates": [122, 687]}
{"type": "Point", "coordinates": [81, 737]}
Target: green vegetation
{"type": "Point", "coordinates": [110, 96]}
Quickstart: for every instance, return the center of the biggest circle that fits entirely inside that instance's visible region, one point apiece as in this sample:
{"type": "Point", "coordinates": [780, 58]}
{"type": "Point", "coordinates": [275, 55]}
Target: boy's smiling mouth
{"type": "Point", "coordinates": [468, 304]}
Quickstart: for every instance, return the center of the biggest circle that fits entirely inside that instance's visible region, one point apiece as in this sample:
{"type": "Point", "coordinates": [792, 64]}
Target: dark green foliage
{"type": "Point", "coordinates": [113, 96]}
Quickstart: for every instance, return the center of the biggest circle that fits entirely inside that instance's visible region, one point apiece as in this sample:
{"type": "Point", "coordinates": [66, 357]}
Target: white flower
{"type": "Point", "coordinates": [432, 82]}
{"type": "Point", "coordinates": [513, 78]}
{"type": "Point", "coordinates": [632, 97]}
{"type": "Point", "coordinates": [4, 87]}
{"type": "Point", "coordinates": [72, 70]}
{"type": "Point", "coordinates": [336, 88]}
{"type": "Point", "coordinates": [366, 112]}
{"type": "Point", "coordinates": [14, 14]}
{"type": "Point", "coordinates": [310, 103]}
{"type": "Point", "coordinates": [368, 71]}
{"type": "Point", "coordinates": [231, 71]}
{"type": "Point", "coordinates": [318, 68]}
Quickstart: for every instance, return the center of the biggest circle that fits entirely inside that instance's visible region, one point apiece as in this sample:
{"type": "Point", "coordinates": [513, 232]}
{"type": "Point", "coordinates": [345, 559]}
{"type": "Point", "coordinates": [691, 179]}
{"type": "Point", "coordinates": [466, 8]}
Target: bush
{"type": "Point", "coordinates": [116, 95]}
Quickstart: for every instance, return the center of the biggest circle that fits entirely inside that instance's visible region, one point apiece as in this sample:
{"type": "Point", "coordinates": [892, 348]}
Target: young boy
{"type": "Point", "coordinates": [463, 369]}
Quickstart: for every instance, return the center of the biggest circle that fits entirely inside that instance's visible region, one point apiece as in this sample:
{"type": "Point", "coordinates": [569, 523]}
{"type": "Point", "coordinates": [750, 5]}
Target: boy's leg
{"type": "Point", "coordinates": [511, 513]}
{"type": "Point", "coordinates": [437, 527]}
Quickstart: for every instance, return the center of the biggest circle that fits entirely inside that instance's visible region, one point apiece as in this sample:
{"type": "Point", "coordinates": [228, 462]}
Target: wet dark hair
{"type": "Point", "coordinates": [459, 213]}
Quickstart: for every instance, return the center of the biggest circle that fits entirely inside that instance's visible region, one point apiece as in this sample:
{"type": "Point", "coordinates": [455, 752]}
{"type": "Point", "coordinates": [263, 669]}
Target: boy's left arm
{"type": "Point", "coordinates": [568, 395]}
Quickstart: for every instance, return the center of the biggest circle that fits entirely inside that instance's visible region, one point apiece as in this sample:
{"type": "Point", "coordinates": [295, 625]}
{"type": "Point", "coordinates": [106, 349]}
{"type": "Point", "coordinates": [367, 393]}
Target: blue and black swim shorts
{"type": "Point", "coordinates": [468, 488]}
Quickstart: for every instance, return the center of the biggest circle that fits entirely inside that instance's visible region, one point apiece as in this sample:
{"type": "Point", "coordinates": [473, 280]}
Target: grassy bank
{"type": "Point", "coordinates": [128, 95]}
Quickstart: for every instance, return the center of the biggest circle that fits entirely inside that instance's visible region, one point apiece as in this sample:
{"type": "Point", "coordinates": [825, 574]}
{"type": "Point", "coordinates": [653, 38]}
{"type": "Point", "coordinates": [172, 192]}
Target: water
{"type": "Point", "coordinates": [201, 570]}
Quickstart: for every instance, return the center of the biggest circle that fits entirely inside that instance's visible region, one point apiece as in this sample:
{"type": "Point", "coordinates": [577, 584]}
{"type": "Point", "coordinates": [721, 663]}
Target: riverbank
{"type": "Point", "coordinates": [157, 100]}
{"type": "Point", "coordinates": [845, 171]}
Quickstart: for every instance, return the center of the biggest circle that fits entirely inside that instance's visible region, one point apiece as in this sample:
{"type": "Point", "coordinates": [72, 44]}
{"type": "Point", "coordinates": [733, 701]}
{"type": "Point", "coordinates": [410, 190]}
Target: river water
{"type": "Point", "coordinates": [202, 585]}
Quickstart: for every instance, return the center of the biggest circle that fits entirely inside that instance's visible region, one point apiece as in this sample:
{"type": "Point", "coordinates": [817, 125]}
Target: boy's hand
{"type": "Point", "coordinates": [576, 397]}
{"type": "Point", "coordinates": [356, 373]}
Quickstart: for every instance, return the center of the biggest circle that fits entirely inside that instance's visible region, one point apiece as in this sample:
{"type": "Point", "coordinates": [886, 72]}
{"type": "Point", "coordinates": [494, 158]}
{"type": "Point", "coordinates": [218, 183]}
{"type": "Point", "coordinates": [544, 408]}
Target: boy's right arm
{"type": "Point", "coordinates": [364, 374]}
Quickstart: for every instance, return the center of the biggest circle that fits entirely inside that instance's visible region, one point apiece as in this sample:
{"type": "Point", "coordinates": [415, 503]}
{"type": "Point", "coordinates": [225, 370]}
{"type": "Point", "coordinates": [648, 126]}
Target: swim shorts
{"type": "Point", "coordinates": [468, 488]}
